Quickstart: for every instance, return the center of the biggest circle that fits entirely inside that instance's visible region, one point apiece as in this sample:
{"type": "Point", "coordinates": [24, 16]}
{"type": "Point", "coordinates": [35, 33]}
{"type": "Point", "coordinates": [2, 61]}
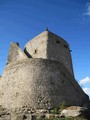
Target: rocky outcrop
{"type": "Point", "coordinates": [26, 113]}
{"type": "Point", "coordinates": [18, 114]}
{"type": "Point", "coordinates": [73, 111]}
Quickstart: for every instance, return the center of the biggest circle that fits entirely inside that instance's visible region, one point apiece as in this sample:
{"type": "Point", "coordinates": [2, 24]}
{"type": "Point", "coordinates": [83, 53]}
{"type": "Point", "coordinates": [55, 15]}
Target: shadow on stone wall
{"type": "Point", "coordinates": [26, 52]}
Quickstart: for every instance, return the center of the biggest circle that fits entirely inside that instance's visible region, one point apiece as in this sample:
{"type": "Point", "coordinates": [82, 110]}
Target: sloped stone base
{"type": "Point", "coordinates": [39, 83]}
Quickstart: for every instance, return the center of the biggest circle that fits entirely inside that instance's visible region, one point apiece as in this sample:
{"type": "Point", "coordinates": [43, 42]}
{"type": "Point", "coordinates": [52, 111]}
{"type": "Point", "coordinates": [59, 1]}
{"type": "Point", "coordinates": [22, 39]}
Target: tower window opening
{"type": "Point", "coordinates": [58, 41]}
{"type": "Point", "coordinates": [65, 46]}
{"type": "Point", "coordinates": [35, 51]}
{"type": "Point", "coordinates": [24, 117]}
{"type": "Point", "coordinates": [63, 75]}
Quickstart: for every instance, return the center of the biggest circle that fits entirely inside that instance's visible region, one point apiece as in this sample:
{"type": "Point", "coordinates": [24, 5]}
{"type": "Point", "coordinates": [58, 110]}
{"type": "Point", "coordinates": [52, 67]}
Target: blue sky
{"type": "Point", "coordinates": [21, 20]}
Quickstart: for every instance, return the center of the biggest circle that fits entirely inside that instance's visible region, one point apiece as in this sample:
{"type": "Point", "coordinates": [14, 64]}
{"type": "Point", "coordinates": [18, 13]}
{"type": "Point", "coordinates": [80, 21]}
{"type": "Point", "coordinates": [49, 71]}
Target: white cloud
{"type": "Point", "coordinates": [87, 13]}
{"type": "Point", "coordinates": [87, 91]}
{"type": "Point", "coordinates": [84, 81]}
{"type": "Point", "coordinates": [85, 86]}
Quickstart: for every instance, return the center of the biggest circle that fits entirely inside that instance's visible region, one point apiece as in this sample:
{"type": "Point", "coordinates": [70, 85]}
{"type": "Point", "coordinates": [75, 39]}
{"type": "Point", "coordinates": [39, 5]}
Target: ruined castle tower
{"type": "Point", "coordinates": [41, 76]}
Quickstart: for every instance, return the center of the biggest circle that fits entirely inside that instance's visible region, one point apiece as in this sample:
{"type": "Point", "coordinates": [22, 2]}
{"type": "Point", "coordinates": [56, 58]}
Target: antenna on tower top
{"type": "Point", "coordinates": [46, 29]}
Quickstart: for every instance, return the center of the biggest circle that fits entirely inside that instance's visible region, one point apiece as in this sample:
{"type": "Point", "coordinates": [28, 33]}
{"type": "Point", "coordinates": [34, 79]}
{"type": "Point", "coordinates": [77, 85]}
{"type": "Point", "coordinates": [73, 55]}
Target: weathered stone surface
{"type": "Point", "coordinates": [37, 47]}
{"type": "Point", "coordinates": [42, 111]}
{"type": "Point", "coordinates": [16, 114]}
{"type": "Point", "coordinates": [5, 117]}
{"type": "Point", "coordinates": [23, 114]}
{"type": "Point", "coordinates": [73, 111]}
{"type": "Point", "coordinates": [24, 117]}
{"type": "Point", "coordinates": [40, 115]}
{"type": "Point", "coordinates": [15, 53]}
{"type": "Point", "coordinates": [50, 116]}
{"type": "Point", "coordinates": [41, 77]}
{"type": "Point", "coordinates": [87, 111]}
{"type": "Point", "coordinates": [39, 83]}
{"type": "Point", "coordinates": [47, 45]}
{"type": "Point", "coordinates": [4, 114]}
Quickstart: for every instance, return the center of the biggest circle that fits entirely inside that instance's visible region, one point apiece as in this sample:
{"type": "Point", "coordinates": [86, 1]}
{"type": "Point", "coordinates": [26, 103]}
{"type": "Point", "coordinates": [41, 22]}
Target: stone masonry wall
{"type": "Point", "coordinates": [39, 83]}
{"type": "Point", "coordinates": [50, 46]}
{"type": "Point", "coordinates": [15, 53]}
{"type": "Point", "coordinates": [58, 50]}
{"type": "Point", "coordinates": [37, 47]}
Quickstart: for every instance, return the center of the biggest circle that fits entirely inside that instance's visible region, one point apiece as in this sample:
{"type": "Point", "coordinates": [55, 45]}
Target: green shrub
{"type": "Point", "coordinates": [62, 106]}
{"type": "Point", "coordinates": [76, 118]}
{"type": "Point", "coordinates": [54, 111]}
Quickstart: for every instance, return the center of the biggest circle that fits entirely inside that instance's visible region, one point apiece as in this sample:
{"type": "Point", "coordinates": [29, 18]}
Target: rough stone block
{"type": "Point", "coordinates": [15, 53]}
{"type": "Point", "coordinates": [25, 117]}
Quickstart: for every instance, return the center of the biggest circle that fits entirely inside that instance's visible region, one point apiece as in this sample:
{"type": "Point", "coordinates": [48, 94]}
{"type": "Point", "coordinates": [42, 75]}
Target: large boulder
{"type": "Point", "coordinates": [73, 111]}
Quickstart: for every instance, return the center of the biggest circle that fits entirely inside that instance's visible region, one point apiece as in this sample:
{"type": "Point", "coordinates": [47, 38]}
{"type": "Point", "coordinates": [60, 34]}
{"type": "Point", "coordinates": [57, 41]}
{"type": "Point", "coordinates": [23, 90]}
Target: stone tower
{"type": "Point", "coordinates": [49, 46]}
{"type": "Point", "coordinates": [41, 76]}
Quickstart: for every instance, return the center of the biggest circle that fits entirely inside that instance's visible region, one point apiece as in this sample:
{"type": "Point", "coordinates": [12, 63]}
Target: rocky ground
{"type": "Point", "coordinates": [63, 113]}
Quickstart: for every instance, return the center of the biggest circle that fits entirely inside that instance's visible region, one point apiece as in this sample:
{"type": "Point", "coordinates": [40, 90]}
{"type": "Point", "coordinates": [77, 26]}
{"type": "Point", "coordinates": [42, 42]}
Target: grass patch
{"type": "Point", "coordinates": [76, 118]}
